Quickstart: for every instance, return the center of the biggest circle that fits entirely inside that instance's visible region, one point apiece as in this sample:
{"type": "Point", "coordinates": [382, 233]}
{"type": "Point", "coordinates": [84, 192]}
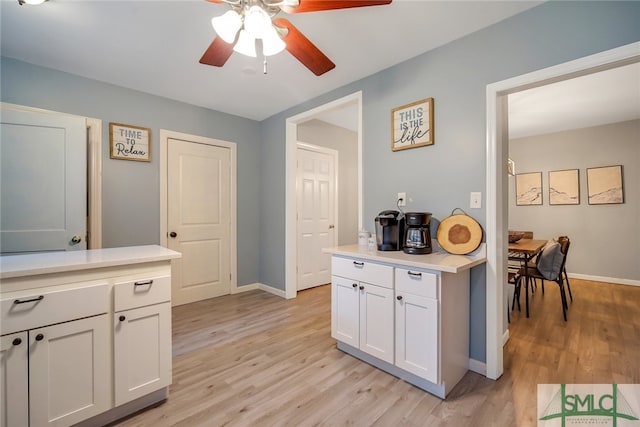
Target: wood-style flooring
{"type": "Point", "coordinates": [254, 359]}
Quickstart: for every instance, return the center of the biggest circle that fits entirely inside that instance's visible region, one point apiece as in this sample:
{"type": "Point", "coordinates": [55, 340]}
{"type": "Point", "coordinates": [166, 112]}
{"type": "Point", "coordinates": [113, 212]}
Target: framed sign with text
{"type": "Point", "coordinates": [412, 125]}
{"type": "Point", "coordinates": [128, 142]}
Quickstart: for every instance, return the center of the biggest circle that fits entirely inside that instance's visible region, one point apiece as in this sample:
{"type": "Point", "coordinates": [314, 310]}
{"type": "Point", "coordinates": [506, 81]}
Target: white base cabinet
{"type": "Point", "coordinates": [410, 322]}
{"type": "Point", "coordinates": [14, 389]}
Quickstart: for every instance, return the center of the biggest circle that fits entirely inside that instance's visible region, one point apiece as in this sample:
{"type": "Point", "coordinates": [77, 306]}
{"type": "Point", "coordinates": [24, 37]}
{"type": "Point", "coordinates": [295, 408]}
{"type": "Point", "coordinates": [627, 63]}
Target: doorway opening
{"type": "Point", "coordinates": [292, 138]}
{"type": "Point", "coordinates": [497, 185]}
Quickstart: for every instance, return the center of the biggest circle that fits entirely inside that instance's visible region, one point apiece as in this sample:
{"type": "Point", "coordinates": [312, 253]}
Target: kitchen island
{"type": "Point", "coordinates": [86, 335]}
{"type": "Point", "coordinates": [405, 314]}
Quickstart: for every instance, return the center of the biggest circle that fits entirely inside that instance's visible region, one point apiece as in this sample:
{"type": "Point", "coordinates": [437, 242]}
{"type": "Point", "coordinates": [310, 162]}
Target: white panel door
{"type": "Point", "coordinates": [69, 374]}
{"type": "Point", "coordinates": [316, 187]}
{"type": "Point", "coordinates": [141, 351]}
{"type": "Point", "coordinates": [43, 182]}
{"type": "Point", "coordinates": [417, 335]}
{"type": "Point", "coordinates": [14, 374]}
{"type": "Point", "coordinates": [199, 205]}
{"type": "Point", "coordinates": [376, 321]}
{"type": "Point", "coordinates": [345, 311]}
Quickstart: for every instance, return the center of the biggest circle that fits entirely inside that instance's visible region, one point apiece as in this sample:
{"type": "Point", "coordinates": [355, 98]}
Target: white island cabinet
{"type": "Point", "coordinates": [405, 314]}
{"type": "Point", "coordinates": [63, 360]}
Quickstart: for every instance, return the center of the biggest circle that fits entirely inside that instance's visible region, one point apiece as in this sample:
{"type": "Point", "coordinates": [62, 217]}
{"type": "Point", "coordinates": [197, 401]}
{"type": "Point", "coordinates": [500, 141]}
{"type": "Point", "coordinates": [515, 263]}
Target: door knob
{"type": "Point", "coordinates": [173, 234]}
{"type": "Point", "coordinates": [76, 239]}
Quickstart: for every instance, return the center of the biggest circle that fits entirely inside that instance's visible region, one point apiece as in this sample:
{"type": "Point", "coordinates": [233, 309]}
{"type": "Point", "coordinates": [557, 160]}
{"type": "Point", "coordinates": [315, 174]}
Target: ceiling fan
{"type": "Point", "coordinates": [249, 21]}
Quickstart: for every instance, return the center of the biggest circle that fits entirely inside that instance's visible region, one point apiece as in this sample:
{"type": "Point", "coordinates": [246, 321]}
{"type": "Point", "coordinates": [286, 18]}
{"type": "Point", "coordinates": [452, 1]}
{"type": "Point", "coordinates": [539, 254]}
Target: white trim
{"type": "Point", "coordinates": [613, 280]}
{"type": "Point", "coordinates": [505, 337]}
{"type": "Point", "coordinates": [270, 289]}
{"type": "Point", "coordinates": [233, 219]}
{"type": "Point", "coordinates": [246, 288]}
{"type": "Point", "coordinates": [496, 153]}
{"type": "Point", "coordinates": [478, 367]}
{"type": "Point", "coordinates": [291, 259]}
{"type": "Point", "coordinates": [94, 169]}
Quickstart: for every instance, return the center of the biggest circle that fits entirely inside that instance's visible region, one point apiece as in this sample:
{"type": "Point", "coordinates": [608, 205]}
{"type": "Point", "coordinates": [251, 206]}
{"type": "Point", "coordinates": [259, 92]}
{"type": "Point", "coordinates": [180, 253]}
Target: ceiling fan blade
{"type": "Point", "coordinates": [216, 1]}
{"type": "Point", "coordinates": [217, 53]}
{"type": "Point", "coordinates": [305, 51]}
{"type": "Point", "coordinates": [319, 5]}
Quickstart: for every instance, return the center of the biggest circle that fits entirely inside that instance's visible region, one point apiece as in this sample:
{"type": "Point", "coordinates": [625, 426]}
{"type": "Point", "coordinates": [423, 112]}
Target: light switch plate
{"type": "Point", "coordinates": [475, 201]}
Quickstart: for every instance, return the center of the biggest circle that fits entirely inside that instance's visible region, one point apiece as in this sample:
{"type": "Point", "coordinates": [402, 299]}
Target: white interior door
{"type": "Point", "coordinates": [43, 182]}
{"type": "Point", "coordinates": [198, 217]}
{"type": "Point", "coordinates": [316, 188]}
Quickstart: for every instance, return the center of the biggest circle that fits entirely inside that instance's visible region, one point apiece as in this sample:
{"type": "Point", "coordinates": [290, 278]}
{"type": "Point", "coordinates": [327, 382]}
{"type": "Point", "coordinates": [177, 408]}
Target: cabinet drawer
{"type": "Point", "coordinates": [363, 271]}
{"type": "Point", "coordinates": [417, 282]}
{"type": "Point", "coordinates": [138, 293]}
{"type": "Point", "coordinates": [46, 308]}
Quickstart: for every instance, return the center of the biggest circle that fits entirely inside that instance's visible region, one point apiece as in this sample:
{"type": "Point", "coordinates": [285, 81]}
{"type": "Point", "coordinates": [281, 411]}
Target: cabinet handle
{"type": "Point", "coordinates": [17, 341]}
{"type": "Point", "coordinates": [361, 287]}
{"type": "Point", "coordinates": [411, 273]}
{"type": "Point", "coordinates": [122, 318]}
{"type": "Point", "coordinates": [147, 282]}
{"type": "Point", "coordinates": [399, 297]}
{"type": "Point", "coordinates": [39, 337]}
{"type": "Point", "coordinates": [24, 301]}
{"type": "Point", "coordinates": [355, 285]}
{"type": "Point", "coordinates": [358, 264]}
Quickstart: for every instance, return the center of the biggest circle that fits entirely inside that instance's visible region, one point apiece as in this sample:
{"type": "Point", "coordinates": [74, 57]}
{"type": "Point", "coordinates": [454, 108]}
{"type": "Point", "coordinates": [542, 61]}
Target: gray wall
{"type": "Point", "coordinates": [604, 238]}
{"type": "Point", "coordinates": [439, 178]}
{"type": "Point", "coordinates": [345, 142]}
{"type": "Point", "coordinates": [131, 190]}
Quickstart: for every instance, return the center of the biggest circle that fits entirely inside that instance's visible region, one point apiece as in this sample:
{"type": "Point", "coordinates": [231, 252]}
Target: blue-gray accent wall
{"type": "Point", "coordinates": [438, 178]}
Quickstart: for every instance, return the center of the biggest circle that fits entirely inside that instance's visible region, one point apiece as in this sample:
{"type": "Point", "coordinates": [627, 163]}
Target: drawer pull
{"type": "Point", "coordinates": [122, 318]}
{"type": "Point", "coordinates": [399, 297]}
{"type": "Point", "coordinates": [358, 264]}
{"type": "Point", "coordinates": [24, 301]}
{"type": "Point", "coordinates": [147, 282]}
{"type": "Point", "coordinates": [411, 273]}
{"type": "Point", "coordinates": [39, 337]}
{"type": "Point", "coordinates": [17, 341]}
{"type": "Point", "coordinates": [355, 285]}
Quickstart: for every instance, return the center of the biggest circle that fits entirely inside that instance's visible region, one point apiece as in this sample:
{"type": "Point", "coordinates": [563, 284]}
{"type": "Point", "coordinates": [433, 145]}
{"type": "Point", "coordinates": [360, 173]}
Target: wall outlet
{"type": "Point", "coordinates": [402, 199]}
{"type": "Point", "coordinates": [475, 201]}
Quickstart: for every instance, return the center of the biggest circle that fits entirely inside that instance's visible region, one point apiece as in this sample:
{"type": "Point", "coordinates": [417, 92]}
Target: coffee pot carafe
{"type": "Point", "coordinates": [417, 234]}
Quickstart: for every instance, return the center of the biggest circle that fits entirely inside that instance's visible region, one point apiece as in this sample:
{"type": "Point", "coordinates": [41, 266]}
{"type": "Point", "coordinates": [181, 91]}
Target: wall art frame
{"type": "Point", "coordinates": [412, 125]}
{"type": "Point", "coordinates": [605, 185]}
{"type": "Point", "coordinates": [128, 142]}
{"type": "Point", "coordinates": [529, 189]}
{"type": "Point", "coordinates": [564, 187]}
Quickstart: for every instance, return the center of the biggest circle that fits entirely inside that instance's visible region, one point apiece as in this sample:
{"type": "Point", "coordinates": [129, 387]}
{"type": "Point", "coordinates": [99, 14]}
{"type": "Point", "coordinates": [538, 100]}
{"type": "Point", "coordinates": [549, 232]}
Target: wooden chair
{"type": "Point", "coordinates": [531, 271]}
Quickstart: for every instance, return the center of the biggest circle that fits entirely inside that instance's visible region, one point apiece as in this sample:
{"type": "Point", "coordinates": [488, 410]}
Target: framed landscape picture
{"type": "Point", "coordinates": [529, 189]}
{"type": "Point", "coordinates": [605, 185]}
{"type": "Point", "coordinates": [564, 187]}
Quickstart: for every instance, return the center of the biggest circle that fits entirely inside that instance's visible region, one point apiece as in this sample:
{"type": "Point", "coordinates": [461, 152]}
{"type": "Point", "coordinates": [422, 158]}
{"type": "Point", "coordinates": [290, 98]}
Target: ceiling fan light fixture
{"type": "Point", "coordinates": [31, 2]}
{"type": "Point", "coordinates": [257, 22]}
{"type": "Point", "coordinates": [271, 42]}
{"type": "Point", "coordinates": [246, 44]}
{"type": "Point", "coordinates": [227, 25]}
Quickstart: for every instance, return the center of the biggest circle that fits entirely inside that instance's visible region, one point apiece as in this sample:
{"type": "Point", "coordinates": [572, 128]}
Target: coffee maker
{"type": "Point", "coordinates": [417, 237]}
{"type": "Point", "coordinates": [390, 230]}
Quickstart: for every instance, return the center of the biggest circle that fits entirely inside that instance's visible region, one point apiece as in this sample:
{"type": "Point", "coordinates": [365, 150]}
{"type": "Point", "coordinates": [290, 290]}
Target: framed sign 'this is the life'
{"type": "Point", "coordinates": [412, 125]}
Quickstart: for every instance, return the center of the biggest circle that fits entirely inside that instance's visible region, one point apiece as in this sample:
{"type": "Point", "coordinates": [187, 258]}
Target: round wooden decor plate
{"type": "Point", "coordinates": [459, 234]}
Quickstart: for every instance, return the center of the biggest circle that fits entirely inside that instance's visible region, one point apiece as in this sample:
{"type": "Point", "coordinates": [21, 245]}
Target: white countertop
{"type": "Point", "coordinates": [58, 262]}
{"type": "Point", "coordinates": [438, 260]}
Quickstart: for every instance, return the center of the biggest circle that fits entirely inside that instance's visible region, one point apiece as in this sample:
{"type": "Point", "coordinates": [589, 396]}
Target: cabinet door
{"type": "Point", "coordinates": [417, 335]}
{"type": "Point", "coordinates": [376, 321]}
{"type": "Point", "coordinates": [14, 372]}
{"type": "Point", "coordinates": [345, 311]}
{"type": "Point", "coordinates": [69, 375]}
{"type": "Point", "coordinates": [142, 351]}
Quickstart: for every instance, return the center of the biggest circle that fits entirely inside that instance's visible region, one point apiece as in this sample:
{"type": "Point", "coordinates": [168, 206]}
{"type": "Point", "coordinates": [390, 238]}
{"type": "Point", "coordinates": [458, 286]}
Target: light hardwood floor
{"type": "Point", "coordinates": [254, 359]}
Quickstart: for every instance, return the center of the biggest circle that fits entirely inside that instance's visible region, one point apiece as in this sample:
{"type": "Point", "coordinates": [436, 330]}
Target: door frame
{"type": "Point", "coordinates": [165, 135]}
{"type": "Point", "coordinates": [336, 209]}
{"type": "Point", "coordinates": [291, 247]}
{"type": "Point", "coordinates": [497, 186]}
{"type": "Point", "coordinates": [94, 169]}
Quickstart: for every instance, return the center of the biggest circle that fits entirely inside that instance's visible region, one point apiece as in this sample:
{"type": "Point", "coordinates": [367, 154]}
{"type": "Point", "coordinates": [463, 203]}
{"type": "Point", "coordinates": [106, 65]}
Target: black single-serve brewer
{"type": "Point", "coordinates": [389, 230]}
{"type": "Point", "coordinates": [417, 238]}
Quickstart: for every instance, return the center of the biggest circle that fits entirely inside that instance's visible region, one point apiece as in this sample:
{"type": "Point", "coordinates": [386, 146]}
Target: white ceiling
{"type": "Point", "coordinates": [154, 46]}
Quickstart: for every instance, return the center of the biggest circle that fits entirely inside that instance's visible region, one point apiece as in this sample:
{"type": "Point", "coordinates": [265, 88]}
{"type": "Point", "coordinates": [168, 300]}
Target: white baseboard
{"type": "Point", "coordinates": [262, 287]}
{"type": "Point", "coordinates": [505, 337]}
{"type": "Point", "coordinates": [615, 280]}
{"type": "Point", "coordinates": [245, 288]}
{"type": "Point", "coordinates": [478, 367]}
